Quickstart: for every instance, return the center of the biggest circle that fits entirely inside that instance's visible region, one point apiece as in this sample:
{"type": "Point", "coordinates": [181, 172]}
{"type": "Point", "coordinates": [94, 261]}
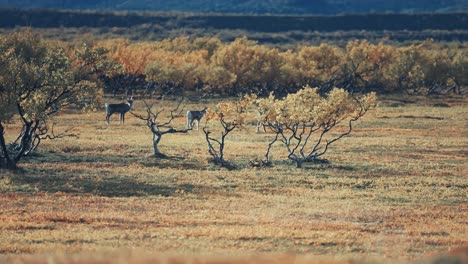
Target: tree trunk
{"type": "Point", "coordinates": [5, 161]}
{"type": "Point", "coordinates": [156, 140]}
{"type": "Point", "coordinates": [10, 160]}
{"type": "Point", "coordinates": [296, 159]}
{"type": "Point", "coordinates": [267, 154]}
{"type": "Point", "coordinates": [221, 149]}
{"type": "Point", "coordinates": [299, 163]}
{"type": "Point", "coordinates": [25, 141]}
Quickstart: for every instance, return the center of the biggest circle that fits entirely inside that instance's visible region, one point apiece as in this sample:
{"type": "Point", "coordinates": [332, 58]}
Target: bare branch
{"type": "Point", "coordinates": [152, 122]}
{"type": "Point", "coordinates": [267, 153]}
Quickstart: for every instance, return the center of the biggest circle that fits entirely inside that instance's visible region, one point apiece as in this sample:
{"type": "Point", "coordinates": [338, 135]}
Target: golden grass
{"type": "Point", "coordinates": [131, 257]}
{"type": "Point", "coordinates": [394, 190]}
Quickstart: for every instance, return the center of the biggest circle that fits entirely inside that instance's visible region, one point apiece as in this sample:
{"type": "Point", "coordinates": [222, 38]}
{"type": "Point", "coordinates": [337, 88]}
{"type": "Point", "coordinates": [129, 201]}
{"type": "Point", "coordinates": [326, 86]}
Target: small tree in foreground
{"type": "Point", "coordinates": [160, 128]}
{"type": "Point", "coordinates": [37, 81]}
{"type": "Point", "coordinates": [230, 115]}
{"type": "Point", "coordinates": [302, 121]}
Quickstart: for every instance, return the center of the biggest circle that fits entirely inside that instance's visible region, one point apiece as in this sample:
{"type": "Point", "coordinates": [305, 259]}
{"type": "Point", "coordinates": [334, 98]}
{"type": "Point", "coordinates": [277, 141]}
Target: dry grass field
{"type": "Point", "coordinates": [395, 190]}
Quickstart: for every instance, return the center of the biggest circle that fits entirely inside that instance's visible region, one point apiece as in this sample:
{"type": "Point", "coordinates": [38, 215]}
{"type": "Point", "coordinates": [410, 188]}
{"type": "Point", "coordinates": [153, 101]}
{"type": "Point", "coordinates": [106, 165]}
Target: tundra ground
{"type": "Point", "coordinates": [394, 190]}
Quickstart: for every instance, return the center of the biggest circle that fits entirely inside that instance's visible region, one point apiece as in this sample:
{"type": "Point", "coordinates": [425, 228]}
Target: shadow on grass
{"type": "Point", "coordinates": [116, 186]}
{"type": "Point", "coordinates": [321, 164]}
{"type": "Point", "coordinates": [96, 177]}
{"type": "Point", "coordinates": [344, 169]}
{"type": "Point", "coordinates": [116, 160]}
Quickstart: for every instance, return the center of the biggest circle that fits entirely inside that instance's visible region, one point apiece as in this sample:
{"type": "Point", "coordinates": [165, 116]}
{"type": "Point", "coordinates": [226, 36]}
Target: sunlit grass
{"type": "Point", "coordinates": [395, 190]}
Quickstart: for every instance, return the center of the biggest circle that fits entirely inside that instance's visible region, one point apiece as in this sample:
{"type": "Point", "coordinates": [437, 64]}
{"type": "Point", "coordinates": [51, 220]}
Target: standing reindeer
{"type": "Point", "coordinates": [260, 123]}
{"type": "Point", "coordinates": [118, 108]}
{"type": "Point", "coordinates": [193, 116]}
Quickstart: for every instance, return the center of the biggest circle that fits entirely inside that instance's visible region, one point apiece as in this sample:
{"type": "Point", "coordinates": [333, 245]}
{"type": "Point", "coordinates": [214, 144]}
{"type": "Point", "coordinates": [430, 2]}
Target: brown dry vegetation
{"type": "Point", "coordinates": [394, 191]}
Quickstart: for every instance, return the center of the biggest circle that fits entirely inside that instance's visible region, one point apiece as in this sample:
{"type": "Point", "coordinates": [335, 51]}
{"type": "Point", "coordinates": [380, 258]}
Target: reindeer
{"type": "Point", "coordinates": [193, 116]}
{"type": "Point", "coordinates": [260, 123]}
{"type": "Point", "coordinates": [118, 108]}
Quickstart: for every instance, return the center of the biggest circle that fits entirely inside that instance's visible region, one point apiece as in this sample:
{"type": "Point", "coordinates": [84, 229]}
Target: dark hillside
{"type": "Point", "coordinates": [259, 23]}
{"type": "Point", "coordinates": [253, 6]}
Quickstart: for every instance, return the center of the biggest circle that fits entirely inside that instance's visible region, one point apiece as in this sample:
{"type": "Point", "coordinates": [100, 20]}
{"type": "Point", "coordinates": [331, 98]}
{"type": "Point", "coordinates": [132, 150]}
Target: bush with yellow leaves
{"type": "Point", "coordinates": [229, 115]}
{"type": "Point", "coordinates": [302, 121]}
